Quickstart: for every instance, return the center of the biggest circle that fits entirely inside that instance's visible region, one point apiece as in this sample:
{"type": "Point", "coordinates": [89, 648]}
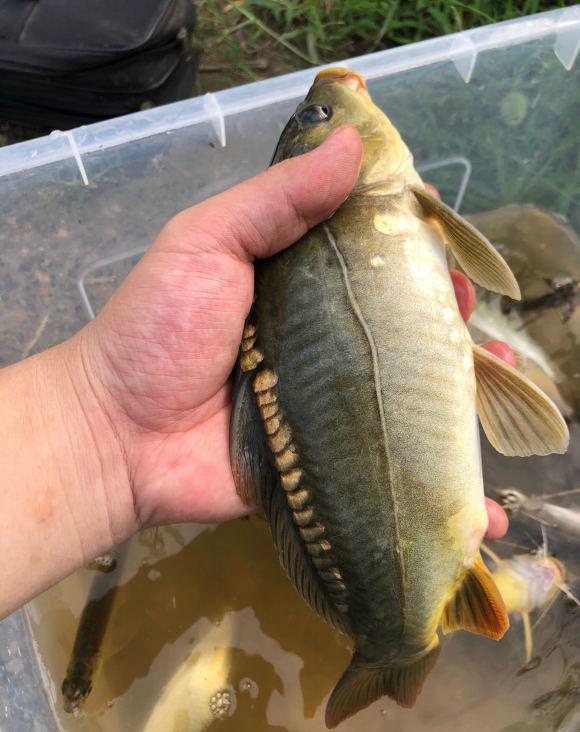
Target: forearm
{"type": "Point", "coordinates": [65, 495]}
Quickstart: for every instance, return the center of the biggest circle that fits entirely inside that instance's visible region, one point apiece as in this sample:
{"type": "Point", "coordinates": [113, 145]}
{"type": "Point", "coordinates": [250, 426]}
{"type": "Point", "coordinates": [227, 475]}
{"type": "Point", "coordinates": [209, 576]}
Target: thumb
{"type": "Point", "coordinates": [269, 212]}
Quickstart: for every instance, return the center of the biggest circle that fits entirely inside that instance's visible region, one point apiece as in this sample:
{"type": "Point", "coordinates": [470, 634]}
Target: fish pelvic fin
{"type": "Point", "coordinates": [363, 683]}
{"type": "Point", "coordinates": [476, 255]}
{"type": "Point", "coordinates": [517, 417]}
{"type": "Point", "coordinates": [477, 606]}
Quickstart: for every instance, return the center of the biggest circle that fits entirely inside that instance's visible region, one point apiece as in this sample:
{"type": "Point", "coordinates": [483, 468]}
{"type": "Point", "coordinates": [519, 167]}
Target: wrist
{"type": "Point", "coordinates": [97, 452]}
{"type": "Point", "coordinates": [65, 494]}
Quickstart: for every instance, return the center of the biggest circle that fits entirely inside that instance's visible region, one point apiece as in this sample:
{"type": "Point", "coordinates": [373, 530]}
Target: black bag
{"type": "Point", "coordinates": [65, 63]}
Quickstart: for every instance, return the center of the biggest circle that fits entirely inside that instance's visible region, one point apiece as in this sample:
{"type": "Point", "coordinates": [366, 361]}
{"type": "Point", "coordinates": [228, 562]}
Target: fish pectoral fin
{"type": "Point", "coordinates": [517, 417]}
{"type": "Point", "coordinates": [362, 684]}
{"type": "Point", "coordinates": [477, 606]}
{"type": "Point", "coordinates": [476, 255]}
{"type": "Point", "coordinates": [251, 468]}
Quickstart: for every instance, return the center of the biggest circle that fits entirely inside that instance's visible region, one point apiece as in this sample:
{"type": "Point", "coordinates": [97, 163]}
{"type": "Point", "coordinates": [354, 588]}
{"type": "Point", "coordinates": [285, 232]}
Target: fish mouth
{"type": "Point", "coordinates": [341, 75]}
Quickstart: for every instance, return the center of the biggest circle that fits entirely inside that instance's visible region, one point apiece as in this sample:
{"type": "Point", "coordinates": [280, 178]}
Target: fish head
{"type": "Point", "coordinates": [540, 577]}
{"type": "Point", "coordinates": [340, 97]}
{"type": "Point", "coordinates": [75, 689]}
{"type": "Point", "coordinates": [552, 569]}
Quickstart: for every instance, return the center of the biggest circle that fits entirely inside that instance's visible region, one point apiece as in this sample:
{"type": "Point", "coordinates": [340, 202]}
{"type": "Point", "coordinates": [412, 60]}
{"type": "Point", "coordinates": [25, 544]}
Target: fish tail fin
{"type": "Point", "coordinates": [363, 683]}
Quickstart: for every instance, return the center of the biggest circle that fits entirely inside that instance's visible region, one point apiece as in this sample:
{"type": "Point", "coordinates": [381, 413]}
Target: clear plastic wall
{"type": "Point", "coordinates": [492, 118]}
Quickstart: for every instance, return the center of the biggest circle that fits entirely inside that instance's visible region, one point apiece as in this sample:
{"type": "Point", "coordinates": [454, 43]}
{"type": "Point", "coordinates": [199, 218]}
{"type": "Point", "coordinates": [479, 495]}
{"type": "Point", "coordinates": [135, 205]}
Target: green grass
{"type": "Point", "coordinates": [523, 144]}
{"type": "Point", "coordinates": [250, 39]}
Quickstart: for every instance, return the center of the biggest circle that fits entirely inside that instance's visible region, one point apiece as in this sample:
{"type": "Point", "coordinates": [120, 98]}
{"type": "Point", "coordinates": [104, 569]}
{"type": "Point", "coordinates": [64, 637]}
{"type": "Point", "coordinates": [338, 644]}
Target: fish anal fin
{"type": "Point", "coordinates": [362, 684]}
{"type": "Point", "coordinates": [298, 564]}
{"type": "Point", "coordinates": [476, 255]}
{"type": "Point", "coordinates": [517, 417]}
{"type": "Point", "coordinates": [477, 605]}
{"type": "Point", "coordinates": [259, 481]}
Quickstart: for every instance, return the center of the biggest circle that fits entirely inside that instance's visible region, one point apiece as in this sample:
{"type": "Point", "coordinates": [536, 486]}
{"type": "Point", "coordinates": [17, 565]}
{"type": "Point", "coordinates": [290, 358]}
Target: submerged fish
{"type": "Point", "coordinates": [557, 710]}
{"type": "Point", "coordinates": [87, 653]}
{"type": "Point", "coordinates": [198, 693]}
{"type": "Point", "coordinates": [528, 582]}
{"type": "Point", "coordinates": [542, 251]}
{"type": "Point", "coordinates": [354, 420]}
{"type": "Point", "coordinates": [561, 703]}
{"type": "Point", "coordinates": [564, 294]}
{"type": "Point", "coordinates": [488, 322]}
{"type": "Point", "coordinates": [492, 323]}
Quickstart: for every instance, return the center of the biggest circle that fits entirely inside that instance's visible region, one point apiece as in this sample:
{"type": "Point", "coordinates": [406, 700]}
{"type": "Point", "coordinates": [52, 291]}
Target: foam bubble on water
{"type": "Point", "coordinates": [223, 703]}
{"type": "Point", "coordinates": [249, 686]}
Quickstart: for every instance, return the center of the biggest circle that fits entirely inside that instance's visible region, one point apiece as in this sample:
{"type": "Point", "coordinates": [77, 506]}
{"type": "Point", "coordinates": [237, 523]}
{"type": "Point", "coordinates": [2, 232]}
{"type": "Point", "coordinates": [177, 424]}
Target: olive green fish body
{"type": "Point", "coordinates": [363, 330]}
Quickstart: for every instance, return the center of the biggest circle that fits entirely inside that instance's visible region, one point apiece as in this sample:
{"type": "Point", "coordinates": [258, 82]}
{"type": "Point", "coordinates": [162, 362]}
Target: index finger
{"type": "Point", "coordinates": [464, 292]}
{"type": "Point", "coordinates": [498, 520]}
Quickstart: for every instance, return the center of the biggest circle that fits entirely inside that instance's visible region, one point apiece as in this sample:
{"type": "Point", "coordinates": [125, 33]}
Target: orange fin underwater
{"type": "Point", "coordinates": [361, 685]}
{"type": "Point", "coordinates": [477, 606]}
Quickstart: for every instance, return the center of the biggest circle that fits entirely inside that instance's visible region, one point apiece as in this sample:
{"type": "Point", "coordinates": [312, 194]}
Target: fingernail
{"type": "Point", "coordinates": [461, 295]}
{"type": "Point", "coordinates": [498, 520]}
{"type": "Point", "coordinates": [464, 292]}
{"type": "Point", "coordinates": [501, 350]}
{"type": "Point", "coordinates": [432, 190]}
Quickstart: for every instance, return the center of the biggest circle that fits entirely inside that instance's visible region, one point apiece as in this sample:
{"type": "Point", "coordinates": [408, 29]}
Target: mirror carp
{"type": "Point", "coordinates": [356, 403]}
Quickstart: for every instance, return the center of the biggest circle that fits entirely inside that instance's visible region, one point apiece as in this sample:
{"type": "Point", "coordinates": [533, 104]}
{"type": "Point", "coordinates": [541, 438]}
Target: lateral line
{"type": "Point", "coordinates": [377, 379]}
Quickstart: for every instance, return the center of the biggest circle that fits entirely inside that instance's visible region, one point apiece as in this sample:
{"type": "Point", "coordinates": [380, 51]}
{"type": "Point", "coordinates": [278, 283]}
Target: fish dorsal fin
{"type": "Point", "coordinates": [476, 255]}
{"type": "Point", "coordinates": [477, 606]}
{"type": "Point", "coordinates": [362, 684]}
{"type": "Point", "coordinates": [517, 417]}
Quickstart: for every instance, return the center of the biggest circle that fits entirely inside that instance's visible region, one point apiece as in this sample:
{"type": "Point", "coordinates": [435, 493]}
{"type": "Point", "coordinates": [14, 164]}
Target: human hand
{"type": "Point", "coordinates": [160, 354]}
{"type": "Point", "coordinates": [127, 424]}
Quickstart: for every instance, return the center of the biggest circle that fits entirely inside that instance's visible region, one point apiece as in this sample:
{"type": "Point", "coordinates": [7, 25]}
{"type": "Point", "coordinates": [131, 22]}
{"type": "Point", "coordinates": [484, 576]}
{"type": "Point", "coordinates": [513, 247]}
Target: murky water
{"type": "Point", "coordinates": [207, 633]}
{"type": "Point", "coordinates": [543, 251]}
{"type": "Point", "coordinates": [216, 599]}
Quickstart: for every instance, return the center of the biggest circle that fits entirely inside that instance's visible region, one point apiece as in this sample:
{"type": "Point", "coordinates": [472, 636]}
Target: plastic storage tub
{"type": "Point", "coordinates": [491, 116]}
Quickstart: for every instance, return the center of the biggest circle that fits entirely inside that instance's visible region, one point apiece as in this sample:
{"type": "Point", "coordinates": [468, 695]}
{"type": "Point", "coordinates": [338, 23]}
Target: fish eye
{"type": "Point", "coordinates": [313, 114]}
